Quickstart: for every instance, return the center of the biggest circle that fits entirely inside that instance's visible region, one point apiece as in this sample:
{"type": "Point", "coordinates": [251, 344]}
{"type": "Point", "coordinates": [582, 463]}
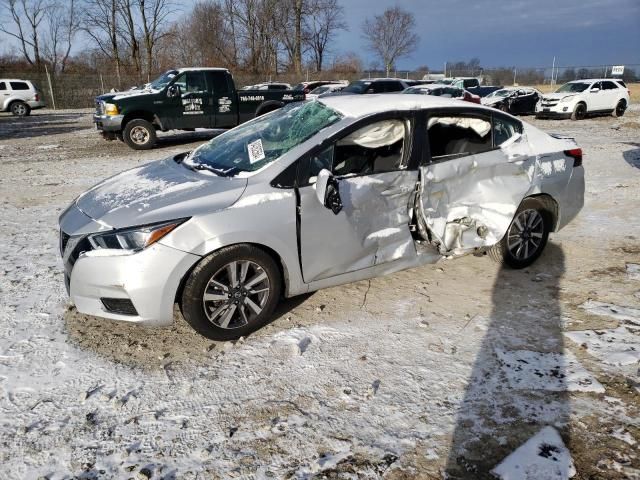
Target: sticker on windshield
{"type": "Point", "coordinates": [256, 152]}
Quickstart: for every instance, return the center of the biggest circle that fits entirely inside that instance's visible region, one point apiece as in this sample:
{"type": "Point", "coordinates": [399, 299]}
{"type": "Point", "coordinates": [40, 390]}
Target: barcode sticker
{"type": "Point", "coordinates": [256, 152]}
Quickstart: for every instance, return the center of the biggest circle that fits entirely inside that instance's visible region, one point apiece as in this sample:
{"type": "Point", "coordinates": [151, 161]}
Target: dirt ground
{"type": "Point", "coordinates": [436, 372]}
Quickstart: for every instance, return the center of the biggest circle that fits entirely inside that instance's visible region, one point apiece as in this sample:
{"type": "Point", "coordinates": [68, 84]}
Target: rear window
{"type": "Point", "coordinates": [620, 82]}
{"type": "Point", "coordinates": [19, 86]}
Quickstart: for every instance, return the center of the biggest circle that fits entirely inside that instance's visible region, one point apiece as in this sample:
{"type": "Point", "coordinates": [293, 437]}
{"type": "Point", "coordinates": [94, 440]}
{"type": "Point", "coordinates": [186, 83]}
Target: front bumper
{"type": "Point", "coordinates": [108, 123]}
{"type": "Point", "coordinates": [559, 110]}
{"type": "Point", "coordinates": [148, 279]}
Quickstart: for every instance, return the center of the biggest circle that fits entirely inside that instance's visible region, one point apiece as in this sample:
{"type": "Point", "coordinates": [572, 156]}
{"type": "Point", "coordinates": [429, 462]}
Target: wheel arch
{"type": "Point", "coordinates": [549, 204]}
{"type": "Point", "coordinates": [141, 114]}
{"type": "Point", "coordinates": [268, 106]}
{"type": "Point", "coordinates": [282, 268]}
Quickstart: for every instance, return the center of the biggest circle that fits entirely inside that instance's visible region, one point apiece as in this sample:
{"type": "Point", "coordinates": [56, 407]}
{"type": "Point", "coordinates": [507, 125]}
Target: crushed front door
{"type": "Point", "coordinates": [468, 203]}
{"type": "Point", "coordinates": [371, 228]}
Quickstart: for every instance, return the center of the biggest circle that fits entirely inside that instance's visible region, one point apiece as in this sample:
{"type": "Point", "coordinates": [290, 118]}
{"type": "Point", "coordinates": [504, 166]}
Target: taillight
{"type": "Point", "coordinates": [36, 97]}
{"type": "Point", "coordinates": [576, 154]}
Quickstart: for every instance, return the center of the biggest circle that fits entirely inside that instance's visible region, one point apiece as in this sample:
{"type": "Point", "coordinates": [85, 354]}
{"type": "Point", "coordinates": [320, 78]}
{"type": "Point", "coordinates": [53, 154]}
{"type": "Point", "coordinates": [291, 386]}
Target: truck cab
{"type": "Point", "coordinates": [183, 99]}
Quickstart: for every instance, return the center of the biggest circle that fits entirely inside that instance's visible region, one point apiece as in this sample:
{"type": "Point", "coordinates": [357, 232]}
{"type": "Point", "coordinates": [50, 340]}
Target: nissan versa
{"type": "Point", "coordinates": [316, 194]}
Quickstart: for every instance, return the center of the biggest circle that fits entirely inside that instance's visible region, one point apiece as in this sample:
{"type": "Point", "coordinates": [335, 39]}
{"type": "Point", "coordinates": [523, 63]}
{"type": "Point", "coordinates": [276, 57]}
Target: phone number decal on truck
{"type": "Point", "coordinates": [251, 98]}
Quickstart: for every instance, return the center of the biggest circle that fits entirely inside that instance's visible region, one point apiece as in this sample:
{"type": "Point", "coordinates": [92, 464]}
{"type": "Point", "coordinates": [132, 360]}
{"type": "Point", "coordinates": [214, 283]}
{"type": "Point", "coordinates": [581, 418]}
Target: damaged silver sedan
{"type": "Point", "coordinates": [314, 195]}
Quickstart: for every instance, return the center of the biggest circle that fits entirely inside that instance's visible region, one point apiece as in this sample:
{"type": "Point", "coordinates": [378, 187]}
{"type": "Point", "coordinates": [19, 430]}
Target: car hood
{"type": "Point", "coordinates": [107, 97]}
{"type": "Point", "coordinates": [492, 100]}
{"type": "Point", "coordinates": [558, 96]}
{"type": "Point", "coordinates": [158, 191]}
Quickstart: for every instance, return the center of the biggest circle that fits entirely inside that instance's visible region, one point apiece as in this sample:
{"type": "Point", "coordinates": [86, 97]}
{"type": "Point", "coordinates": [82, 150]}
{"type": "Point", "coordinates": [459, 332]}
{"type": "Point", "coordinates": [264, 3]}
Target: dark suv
{"type": "Point", "coordinates": [373, 85]}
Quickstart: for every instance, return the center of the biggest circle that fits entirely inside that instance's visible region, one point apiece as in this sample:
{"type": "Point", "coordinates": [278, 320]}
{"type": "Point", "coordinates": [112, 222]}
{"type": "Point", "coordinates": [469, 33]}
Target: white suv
{"type": "Point", "coordinates": [580, 98]}
{"type": "Point", "coordinates": [19, 96]}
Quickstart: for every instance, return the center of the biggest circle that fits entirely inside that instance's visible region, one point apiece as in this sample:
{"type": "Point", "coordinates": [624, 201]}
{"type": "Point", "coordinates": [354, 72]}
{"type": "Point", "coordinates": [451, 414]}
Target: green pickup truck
{"type": "Point", "coordinates": [183, 99]}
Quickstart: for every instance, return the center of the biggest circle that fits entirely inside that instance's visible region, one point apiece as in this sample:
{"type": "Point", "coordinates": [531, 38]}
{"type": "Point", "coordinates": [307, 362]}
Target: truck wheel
{"type": "Point", "coordinates": [20, 109]}
{"type": "Point", "coordinates": [579, 112]}
{"type": "Point", "coordinates": [140, 134]}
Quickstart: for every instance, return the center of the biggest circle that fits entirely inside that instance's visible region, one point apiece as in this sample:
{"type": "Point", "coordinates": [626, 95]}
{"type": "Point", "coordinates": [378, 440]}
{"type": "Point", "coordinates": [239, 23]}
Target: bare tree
{"type": "Point", "coordinates": [391, 35]}
{"type": "Point", "coordinates": [26, 16]}
{"type": "Point", "coordinates": [63, 23]}
{"type": "Point", "coordinates": [101, 22]}
{"type": "Point", "coordinates": [325, 19]}
{"type": "Point", "coordinates": [127, 32]}
{"type": "Point", "coordinates": [154, 16]}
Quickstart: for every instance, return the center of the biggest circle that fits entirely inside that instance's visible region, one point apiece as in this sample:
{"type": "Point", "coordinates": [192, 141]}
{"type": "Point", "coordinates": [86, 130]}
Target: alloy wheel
{"type": "Point", "coordinates": [526, 234]}
{"type": "Point", "coordinates": [236, 294]}
{"type": "Point", "coordinates": [20, 109]}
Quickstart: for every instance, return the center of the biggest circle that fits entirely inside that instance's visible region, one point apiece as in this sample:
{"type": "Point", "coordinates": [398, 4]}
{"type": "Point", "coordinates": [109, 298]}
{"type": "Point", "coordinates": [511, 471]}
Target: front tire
{"type": "Point", "coordinates": [621, 107]}
{"type": "Point", "coordinates": [232, 292]}
{"type": "Point", "coordinates": [526, 236]}
{"type": "Point", "coordinates": [579, 112]}
{"type": "Point", "coordinates": [20, 109]}
{"type": "Point", "coordinates": [140, 134]}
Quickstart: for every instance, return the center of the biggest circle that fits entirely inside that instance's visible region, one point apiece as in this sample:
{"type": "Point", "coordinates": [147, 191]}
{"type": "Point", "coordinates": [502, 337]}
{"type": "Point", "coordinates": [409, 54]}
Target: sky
{"type": "Point", "coordinates": [511, 33]}
{"type": "Point", "coordinates": [516, 33]}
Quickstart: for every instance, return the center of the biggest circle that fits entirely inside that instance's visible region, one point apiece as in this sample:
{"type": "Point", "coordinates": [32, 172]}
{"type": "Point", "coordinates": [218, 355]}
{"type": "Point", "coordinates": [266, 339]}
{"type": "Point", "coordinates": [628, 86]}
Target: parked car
{"type": "Point", "coordinates": [441, 90]}
{"type": "Point", "coordinates": [183, 99]}
{"type": "Point", "coordinates": [307, 87]}
{"type": "Point", "coordinates": [268, 86]}
{"type": "Point", "coordinates": [325, 89]}
{"type": "Point", "coordinates": [473, 85]}
{"type": "Point", "coordinates": [19, 96]}
{"type": "Point", "coordinates": [580, 98]}
{"type": "Point", "coordinates": [373, 85]}
{"type": "Point", "coordinates": [313, 195]}
{"type": "Point", "coordinates": [514, 100]}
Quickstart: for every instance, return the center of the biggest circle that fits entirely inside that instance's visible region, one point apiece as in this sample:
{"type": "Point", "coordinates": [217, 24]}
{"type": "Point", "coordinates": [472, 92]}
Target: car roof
{"type": "Point", "coordinates": [14, 80]}
{"type": "Point", "coordinates": [364, 105]}
{"type": "Point", "coordinates": [430, 86]}
{"type": "Point", "coordinates": [215, 69]}
{"type": "Point", "coordinates": [382, 79]}
{"type": "Point", "coordinates": [589, 80]}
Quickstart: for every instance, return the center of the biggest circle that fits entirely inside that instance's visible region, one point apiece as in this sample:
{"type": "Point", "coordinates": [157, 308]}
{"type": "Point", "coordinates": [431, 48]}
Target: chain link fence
{"type": "Point", "coordinates": [71, 90]}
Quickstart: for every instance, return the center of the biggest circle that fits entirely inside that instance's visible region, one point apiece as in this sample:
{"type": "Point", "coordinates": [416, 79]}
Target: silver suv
{"type": "Point", "coordinates": [19, 97]}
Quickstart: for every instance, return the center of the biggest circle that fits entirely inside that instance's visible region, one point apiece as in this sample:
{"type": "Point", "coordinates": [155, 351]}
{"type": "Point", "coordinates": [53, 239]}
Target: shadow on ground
{"type": "Point", "coordinates": [37, 125]}
{"type": "Point", "coordinates": [503, 404]}
{"type": "Point", "coordinates": [632, 157]}
{"type": "Point", "coordinates": [148, 347]}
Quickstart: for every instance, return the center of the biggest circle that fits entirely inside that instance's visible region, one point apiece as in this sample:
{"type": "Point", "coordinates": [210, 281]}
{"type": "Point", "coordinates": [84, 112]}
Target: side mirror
{"type": "Point", "coordinates": [173, 91]}
{"type": "Point", "coordinates": [328, 191]}
{"type": "Point", "coordinates": [595, 90]}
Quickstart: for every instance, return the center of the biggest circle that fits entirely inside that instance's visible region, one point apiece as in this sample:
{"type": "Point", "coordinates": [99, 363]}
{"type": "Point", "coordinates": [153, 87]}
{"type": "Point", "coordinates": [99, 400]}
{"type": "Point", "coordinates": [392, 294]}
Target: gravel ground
{"type": "Point", "coordinates": [444, 368]}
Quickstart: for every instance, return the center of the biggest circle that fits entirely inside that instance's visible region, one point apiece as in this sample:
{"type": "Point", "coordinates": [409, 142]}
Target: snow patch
{"type": "Point", "coordinates": [543, 457]}
{"type": "Point", "coordinates": [558, 372]}
{"type": "Point", "coordinates": [47, 147]}
{"type": "Point", "coordinates": [617, 346]}
{"type": "Point", "coordinates": [633, 271]}
{"type": "Point", "coordinates": [624, 314]}
{"type": "Point", "coordinates": [387, 232]}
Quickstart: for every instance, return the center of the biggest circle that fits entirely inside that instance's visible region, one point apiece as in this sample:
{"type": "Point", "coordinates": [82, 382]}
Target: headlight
{"type": "Point", "coordinates": [566, 99]}
{"type": "Point", "coordinates": [134, 238]}
{"type": "Point", "coordinates": [110, 109]}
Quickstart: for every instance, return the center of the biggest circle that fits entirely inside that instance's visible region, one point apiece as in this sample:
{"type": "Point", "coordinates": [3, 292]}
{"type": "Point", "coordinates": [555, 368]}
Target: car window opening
{"type": "Point", "coordinates": [451, 137]}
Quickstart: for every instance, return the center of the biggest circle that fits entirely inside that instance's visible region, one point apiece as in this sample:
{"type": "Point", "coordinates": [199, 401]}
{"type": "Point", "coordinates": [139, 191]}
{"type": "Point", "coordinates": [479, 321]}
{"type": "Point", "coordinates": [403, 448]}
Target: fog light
{"type": "Point", "coordinates": [121, 306]}
{"type": "Point", "coordinates": [565, 109]}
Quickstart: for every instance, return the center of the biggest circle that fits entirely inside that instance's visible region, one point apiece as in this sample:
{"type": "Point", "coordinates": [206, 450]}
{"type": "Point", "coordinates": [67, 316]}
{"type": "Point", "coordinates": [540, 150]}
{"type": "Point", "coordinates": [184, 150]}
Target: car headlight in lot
{"type": "Point", "coordinates": [566, 99]}
{"type": "Point", "coordinates": [133, 238]}
{"type": "Point", "coordinates": [110, 109]}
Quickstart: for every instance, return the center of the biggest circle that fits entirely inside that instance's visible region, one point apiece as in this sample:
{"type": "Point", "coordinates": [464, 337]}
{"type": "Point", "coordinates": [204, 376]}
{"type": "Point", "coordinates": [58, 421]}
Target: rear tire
{"type": "Point", "coordinates": [140, 134]}
{"type": "Point", "coordinates": [526, 236]}
{"type": "Point", "coordinates": [621, 107]}
{"type": "Point", "coordinates": [579, 112]}
{"type": "Point", "coordinates": [20, 109]}
{"type": "Point", "coordinates": [232, 292]}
